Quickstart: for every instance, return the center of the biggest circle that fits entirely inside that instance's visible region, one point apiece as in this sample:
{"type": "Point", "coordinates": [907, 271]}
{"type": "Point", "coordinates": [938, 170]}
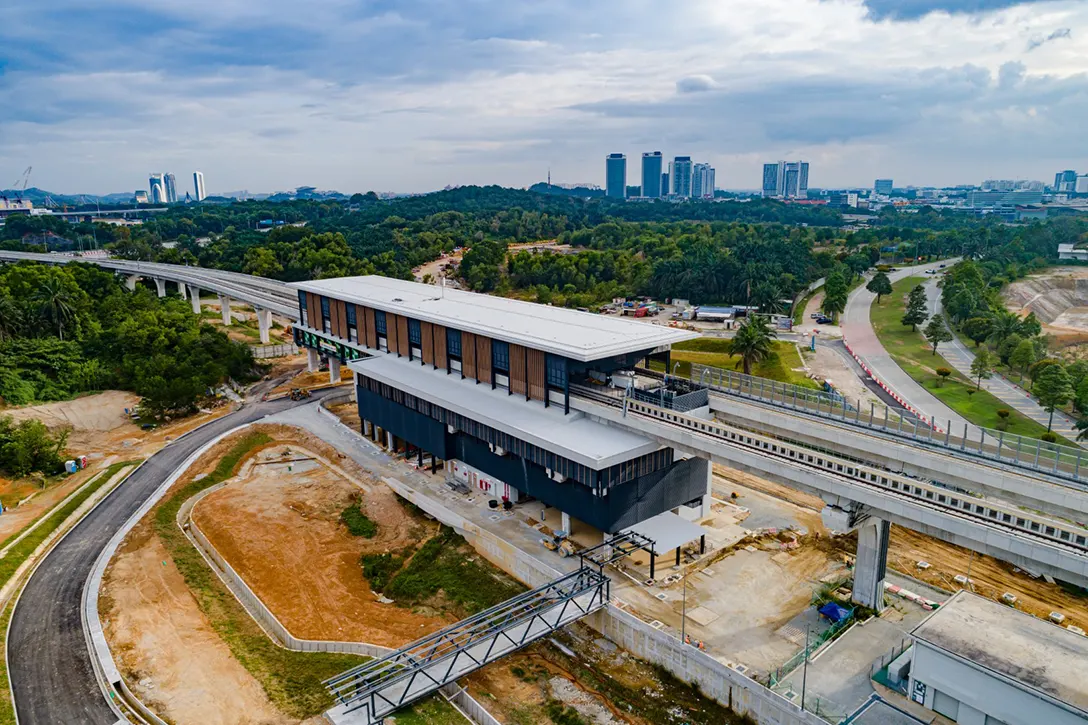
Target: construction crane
{"type": "Point", "coordinates": [22, 181]}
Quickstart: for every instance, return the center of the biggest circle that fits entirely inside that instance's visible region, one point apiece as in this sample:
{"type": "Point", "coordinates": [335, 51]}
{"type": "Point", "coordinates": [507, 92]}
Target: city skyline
{"type": "Point", "coordinates": [925, 93]}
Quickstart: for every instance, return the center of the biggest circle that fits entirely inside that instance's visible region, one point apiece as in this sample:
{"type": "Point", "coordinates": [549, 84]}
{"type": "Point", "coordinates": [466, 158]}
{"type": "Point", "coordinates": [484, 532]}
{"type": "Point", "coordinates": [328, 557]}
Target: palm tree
{"type": "Point", "coordinates": [767, 296]}
{"type": "Point", "coordinates": [752, 341]}
{"type": "Point", "coordinates": [55, 303]}
{"type": "Point", "coordinates": [9, 318]}
{"type": "Point", "coordinates": [1003, 324]}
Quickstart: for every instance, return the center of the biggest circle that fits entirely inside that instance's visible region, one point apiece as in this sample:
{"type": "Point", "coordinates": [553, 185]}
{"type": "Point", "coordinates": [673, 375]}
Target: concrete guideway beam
{"type": "Point", "coordinates": [978, 534]}
{"type": "Point", "coordinates": [264, 324]}
{"type": "Point", "coordinates": [194, 297]}
{"type": "Point", "coordinates": [224, 309]}
{"type": "Point", "coordinates": [160, 286]}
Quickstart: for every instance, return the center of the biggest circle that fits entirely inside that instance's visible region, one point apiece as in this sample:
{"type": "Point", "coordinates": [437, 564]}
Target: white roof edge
{"type": "Point", "coordinates": [659, 336]}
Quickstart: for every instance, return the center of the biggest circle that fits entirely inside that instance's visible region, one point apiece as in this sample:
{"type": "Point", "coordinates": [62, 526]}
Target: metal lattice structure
{"type": "Point", "coordinates": [619, 546]}
{"type": "Point", "coordinates": [370, 692]}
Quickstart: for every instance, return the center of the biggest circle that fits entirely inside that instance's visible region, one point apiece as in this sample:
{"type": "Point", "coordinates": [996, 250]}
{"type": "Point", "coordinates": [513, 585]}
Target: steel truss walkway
{"type": "Point", "coordinates": [366, 694]}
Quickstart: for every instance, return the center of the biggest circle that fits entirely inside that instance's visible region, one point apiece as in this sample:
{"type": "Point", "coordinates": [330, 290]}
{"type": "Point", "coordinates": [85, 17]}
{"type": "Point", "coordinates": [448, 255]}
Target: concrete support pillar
{"type": "Point", "coordinates": [181, 291]}
{"type": "Point", "coordinates": [160, 287]}
{"type": "Point", "coordinates": [194, 297]}
{"type": "Point", "coordinates": [334, 370]}
{"type": "Point", "coordinates": [389, 441]}
{"type": "Point", "coordinates": [313, 360]}
{"type": "Point", "coordinates": [354, 386]}
{"type": "Point", "coordinates": [224, 309]}
{"type": "Point", "coordinates": [264, 323]}
{"type": "Point", "coordinates": [872, 563]}
{"type": "Point", "coordinates": [131, 281]}
{"type": "Point", "coordinates": [708, 497]}
{"type": "Point", "coordinates": [565, 521]}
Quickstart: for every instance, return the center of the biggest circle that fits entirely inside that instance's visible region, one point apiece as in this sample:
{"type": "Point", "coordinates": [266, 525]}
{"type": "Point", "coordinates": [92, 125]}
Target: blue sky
{"type": "Point", "coordinates": [418, 94]}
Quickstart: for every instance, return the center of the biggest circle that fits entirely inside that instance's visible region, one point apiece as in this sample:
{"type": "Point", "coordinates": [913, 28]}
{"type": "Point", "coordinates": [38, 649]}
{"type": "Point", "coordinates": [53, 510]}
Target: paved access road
{"type": "Point", "coordinates": [858, 331]}
{"type": "Point", "coordinates": [48, 658]}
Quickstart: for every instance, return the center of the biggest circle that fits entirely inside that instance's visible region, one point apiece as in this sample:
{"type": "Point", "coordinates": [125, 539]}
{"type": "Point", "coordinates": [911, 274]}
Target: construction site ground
{"type": "Point", "coordinates": [99, 429]}
{"type": "Point", "coordinates": [1059, 298]}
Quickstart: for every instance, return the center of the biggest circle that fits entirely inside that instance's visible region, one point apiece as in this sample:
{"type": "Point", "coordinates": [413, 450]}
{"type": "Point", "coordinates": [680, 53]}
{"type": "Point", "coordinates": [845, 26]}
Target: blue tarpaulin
{"type": "Point", "coordinates": [834, 612]}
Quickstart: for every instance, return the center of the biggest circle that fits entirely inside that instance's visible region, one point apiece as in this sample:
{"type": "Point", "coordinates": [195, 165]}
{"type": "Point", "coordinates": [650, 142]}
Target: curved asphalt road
{"type": "Point", "coordinates": [49, 661]}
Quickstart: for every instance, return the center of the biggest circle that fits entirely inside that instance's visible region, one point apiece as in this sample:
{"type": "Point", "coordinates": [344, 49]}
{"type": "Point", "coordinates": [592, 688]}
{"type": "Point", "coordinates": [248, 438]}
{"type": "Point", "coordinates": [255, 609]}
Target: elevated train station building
{"type": "Point", "coordinates": [482, 385]}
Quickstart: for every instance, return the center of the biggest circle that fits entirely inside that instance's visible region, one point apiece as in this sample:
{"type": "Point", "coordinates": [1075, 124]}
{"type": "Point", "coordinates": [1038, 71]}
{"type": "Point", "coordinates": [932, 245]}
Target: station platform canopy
{"type": "Point", "coordinates": [668, 531]}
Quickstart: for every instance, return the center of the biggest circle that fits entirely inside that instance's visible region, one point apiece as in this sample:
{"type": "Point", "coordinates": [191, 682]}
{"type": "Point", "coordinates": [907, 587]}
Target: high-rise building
{"type": "Point", "coordinates": [1065, 180]}
{"type": "Point", "coordinates": [157, 189]}
{"type": "Point", "coordinates": [680, 175]}
{"type": "Point", "coordinates": [883, 186]}
{"type": "Point", "coordinates": [615, 167]}
{"type": "Point", "coordinates": [702, 181]}
{"type": "Point", "coordinates": [171, 189]}
{"type": "Point", "coordinates": [198, 185]}
{"type": "Point", "coordinates": [786, 179]}
{"type": "Point", "coordinates": [665, 183]}
{"type": "Point", "coordinates": [141, 196]}
{"type": "Point", "coordinates": [651, 174]}
{"type": "Point", "coordinates": [1081, 186]}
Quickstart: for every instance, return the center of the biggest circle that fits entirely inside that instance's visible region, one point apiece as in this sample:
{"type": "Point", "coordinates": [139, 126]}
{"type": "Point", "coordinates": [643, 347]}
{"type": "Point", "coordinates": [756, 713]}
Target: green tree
{"type": "Point", "coordinates": [1053, 389]}
{"type": "Point", "coordinates": [1023, 357]}
{"type": "Point", "coordinates": [879, 285]}
{"type": "Point", "coordinates": [977, 329]}
{"type": "Point", "coordinates": [28, 446]}
{"type": "Point", "coordinates": [753, 341]}
{"type": "Point", "coordinates": [1008, 346]}
{"type": "Point", "coordinates": [262, 262]}
{"type": "Point", "coordinates": [942, 375]}
{"type": "Point", "coordinates": [936, 332]}
{"type": "Point", "coordinates": [836, 291]}
{"type": "Point", "coordinates": [982, 366]}
{"type": "Point", "coordinates": [915, 313]}
{"type": "Point", "coordinates": [1036, 371]}
{"type": "Point", "coordinates": [1003, 324]}
{"type": "Point", "coordinates": [56, 303]}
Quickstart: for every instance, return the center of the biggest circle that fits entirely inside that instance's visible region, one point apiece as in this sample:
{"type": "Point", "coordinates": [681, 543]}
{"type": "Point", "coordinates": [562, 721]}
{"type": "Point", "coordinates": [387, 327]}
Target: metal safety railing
{"type": "Point", "coordinates": [1052, 459]}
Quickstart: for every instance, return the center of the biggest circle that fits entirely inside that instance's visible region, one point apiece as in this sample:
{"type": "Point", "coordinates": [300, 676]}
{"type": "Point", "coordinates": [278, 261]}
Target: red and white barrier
{"type": "Point", "coordinates": [887, 389]}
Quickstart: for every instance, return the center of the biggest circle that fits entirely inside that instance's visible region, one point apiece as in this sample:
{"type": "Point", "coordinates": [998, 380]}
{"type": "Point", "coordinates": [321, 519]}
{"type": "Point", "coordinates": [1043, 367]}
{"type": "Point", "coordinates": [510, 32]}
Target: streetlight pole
{"type": "Point", "coordinates": [804, 672]}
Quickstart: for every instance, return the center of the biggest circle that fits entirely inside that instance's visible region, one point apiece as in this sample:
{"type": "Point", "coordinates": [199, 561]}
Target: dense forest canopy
{"type": "Point", "coordinates": [73, 329]}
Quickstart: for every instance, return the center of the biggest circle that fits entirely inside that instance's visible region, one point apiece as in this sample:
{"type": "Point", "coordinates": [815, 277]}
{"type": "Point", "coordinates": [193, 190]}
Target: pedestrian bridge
{"type": "Point", "coordinates": [366, 694]}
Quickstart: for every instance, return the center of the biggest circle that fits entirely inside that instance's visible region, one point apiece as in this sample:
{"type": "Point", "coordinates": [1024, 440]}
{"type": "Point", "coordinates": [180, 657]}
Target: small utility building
{"type": "Point", "coordinates": [978, 662]}
{"type": "Point", "coordinates": [486, 382]}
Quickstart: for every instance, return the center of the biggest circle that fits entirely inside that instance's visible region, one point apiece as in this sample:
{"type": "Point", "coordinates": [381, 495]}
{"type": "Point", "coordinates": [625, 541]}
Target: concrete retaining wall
{"type": "Point", "coordinates": [714, 678]}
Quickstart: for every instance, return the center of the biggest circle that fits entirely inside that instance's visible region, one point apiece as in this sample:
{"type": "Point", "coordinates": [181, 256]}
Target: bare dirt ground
{"type": "Point", "coordinates": [176, 662]}
{"type": "Point", "coordinates": [1059, 298]}
{"type": "Point", "coordinates": [991, 577]}
{"type": "Point", "coordinates": [102, 431]}
{"type": "Point", "coordinates": [828, 364]}
{"type": "Point", "coordinates": [281, 530]}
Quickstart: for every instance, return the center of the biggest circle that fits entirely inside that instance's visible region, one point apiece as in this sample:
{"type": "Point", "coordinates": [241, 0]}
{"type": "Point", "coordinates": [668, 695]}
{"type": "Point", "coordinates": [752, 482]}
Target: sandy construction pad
{"type": "Point", "coordinates": [155, 626]}
{"type": "Point", "coordinates": [278, 525]}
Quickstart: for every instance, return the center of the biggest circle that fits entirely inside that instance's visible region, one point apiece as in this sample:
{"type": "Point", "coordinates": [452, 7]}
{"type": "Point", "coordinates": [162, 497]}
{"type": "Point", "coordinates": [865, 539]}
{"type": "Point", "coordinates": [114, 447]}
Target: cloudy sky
{"type": "Point", "coordinates": [417, 94]}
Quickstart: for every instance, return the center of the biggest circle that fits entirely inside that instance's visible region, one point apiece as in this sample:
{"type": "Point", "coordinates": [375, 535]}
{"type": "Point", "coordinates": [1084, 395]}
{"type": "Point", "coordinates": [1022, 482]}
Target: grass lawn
{"type": "Point", "coordinates": [292, 680]}
{"type": "Point", "coordinates": [714, 352]}
{"type": "Point", "coordinates": [912, 353]}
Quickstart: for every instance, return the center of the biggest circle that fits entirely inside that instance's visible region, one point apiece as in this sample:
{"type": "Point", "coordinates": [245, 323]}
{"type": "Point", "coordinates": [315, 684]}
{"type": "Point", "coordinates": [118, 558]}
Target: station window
{"type": "Point", "coordinates": [326, 315]}
{"type": "Point", "coordinates": [500, 356]}
{"type": "Point", "coordinates": [556, 371]}
{"type": "Point", "coordinates": [415, 332]}
{"type": "Point", "coordinates": [379, 322]}
{"type": "Point", "coordinates": [302, 307]}
{"type": "Point", "coordinates": [453, 342]}
{"type": "Point", "coordinates": [353, 330]}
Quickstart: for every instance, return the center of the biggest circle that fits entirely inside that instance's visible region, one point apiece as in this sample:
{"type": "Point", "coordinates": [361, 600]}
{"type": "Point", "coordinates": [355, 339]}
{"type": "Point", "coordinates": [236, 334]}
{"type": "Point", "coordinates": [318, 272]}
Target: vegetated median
{"type": "Point", "coordinates": [715, 352]}
{"type": "Point", "coordinates": [292, 680]}
{"type": "Point", "coordinates": [22, 551]}
{"type": "Point", "coordinates": [914, 355]}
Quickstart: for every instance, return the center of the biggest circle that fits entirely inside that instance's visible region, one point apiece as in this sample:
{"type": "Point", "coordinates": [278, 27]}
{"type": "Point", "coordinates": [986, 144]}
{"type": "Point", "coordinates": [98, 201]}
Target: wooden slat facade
{"type": "Point", "coordinates": [517, 370]}
{"type": "Point", "coordinates": [483, 359]}
{"type": "Point", "coordinates": [441, 358]}
{"type": "Point", "coordinates": [339, 318]}
{"type": "Point", "coordinates": [371, 339]}
{"type": "Point", "coordinates": [391, 332]}
{"type": "Point", "coordinates": [537, 389]}
{"type": "Point", "coordinates": [468, 355]}
{"type": "Point", "coordinates": [313, 310]}
{"type": "Point", "coordinates": [426, 344]}
{"type": "Point", "coordinates": [404, 347]}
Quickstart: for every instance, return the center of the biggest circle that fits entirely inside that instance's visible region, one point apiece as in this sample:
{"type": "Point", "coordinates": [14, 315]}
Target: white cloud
{"type": "Point", "coordinates": [416, 95]}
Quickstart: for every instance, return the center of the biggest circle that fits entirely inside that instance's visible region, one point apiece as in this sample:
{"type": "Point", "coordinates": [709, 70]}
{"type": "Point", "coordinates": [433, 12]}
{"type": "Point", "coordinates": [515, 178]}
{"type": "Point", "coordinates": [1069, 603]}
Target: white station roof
{"type": "Point", "coordinates": [572, 436]}
{"type": "Point", "coordinates": [577, 335]}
